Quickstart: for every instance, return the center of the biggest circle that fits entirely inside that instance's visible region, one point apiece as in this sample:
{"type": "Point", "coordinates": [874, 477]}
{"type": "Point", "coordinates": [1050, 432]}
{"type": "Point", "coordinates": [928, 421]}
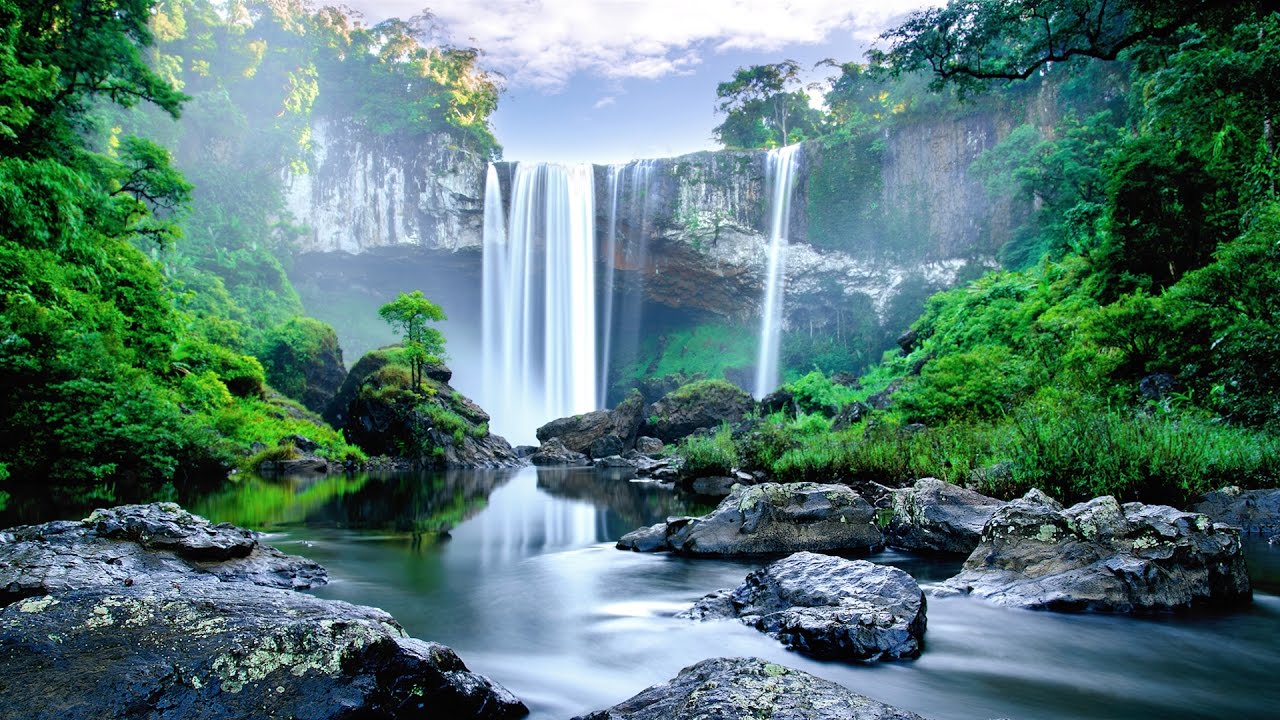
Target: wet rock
{"type": "Point", "coordinates": [1103, 556]}
{"type": "Point", "coordinates": [524, 451]}
{"type": "Point", "coordinates": [646, 539]}
{"type": "Point", "coordinates": [716, 486]}
{"type": "Point", "coordinates": [576, 432]}
{"type": "Point", "coordinates": [727, 688]}
{"type": "Point", "coordinates": [649, 445]}
{"type": "Point", "coordinates": [774, 518]}
{"type": "Point", "coordinates": [599, 433]}
{"type": "Point", "coordinates": [1158, 386]}
{"type": "Point", "coordinates": [883, 400]}
{"type": "Point", "coordinates": [148, 611]}
{"type": "Point", "coordinates": [703, 404]}
{"type": "Point", "coordinates": [850, 415]}
{"type": "Point", "coordinates": [828, 607]}
{"type": "Point", "coordinates": [136, 544]}
{"type": "Point", "coordinates": [607, 446]}
{"type": "Point", "coordinates": [306, 465]}
{"type": "Point", "coordinates": [209, 649]}
{"type": "Point", "coordinates": [936, 516]}
{"type": "Point", "coordinates": [553, 452]}
{"type": "Point", "coordinates": [1253, 511]}
{"type": "Point", "coordinates": [613, 462]}
{"type": "Point", "coordinates": [780, 400]}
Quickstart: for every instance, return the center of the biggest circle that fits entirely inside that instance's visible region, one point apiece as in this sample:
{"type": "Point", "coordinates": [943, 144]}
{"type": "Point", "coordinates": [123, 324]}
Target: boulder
{"type": "Point", "coordinates": [649, 445]}
{"type": "Point", "coordinates": [936, 516]}
{"type": "Point", "coordinates": [150, 611]}
{"type": "Point", "coordinates": [599, 433]}
{"type": "Point", "coordinates": [774, 518]}
{"type": "Point", "coordinates": [702, 404]}
{"type": "Point", "coordinates": [577, 432]}
{"type": "Point", "coordinates": [613, 462]}
{"type": "Point", "coordinates": [780, 400]}
{"type": "Point", "coordinates": [714, 486]}
{"type": "Point", "coordinates": [1253, 511]}
{"type": "Point", "coordinates": [305, 465]}
{"type": "Point", "coordinates": [605, 446]}
{"type": "Point", "coordinates": [1103, 556]}
{"type": "Point", "coordinates": [136, 544]}
{"type": "Point", "coordinates": [428, 426]}
{"type": "Point", "coordinates": [553, 452]}
{"type": "Point", "coordinates": [209, 649]}
{"type": "Point", "coordinates": [827, 607]}
{"type": "Point", "coordinates": [748, 688]}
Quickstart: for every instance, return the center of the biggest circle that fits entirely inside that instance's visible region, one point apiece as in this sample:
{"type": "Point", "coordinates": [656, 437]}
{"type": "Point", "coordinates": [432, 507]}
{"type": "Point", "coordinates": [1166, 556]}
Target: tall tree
{"type": "Point", "coordinates": [422, 343]}
{"type": "Point", "coordinates": [765, 105]}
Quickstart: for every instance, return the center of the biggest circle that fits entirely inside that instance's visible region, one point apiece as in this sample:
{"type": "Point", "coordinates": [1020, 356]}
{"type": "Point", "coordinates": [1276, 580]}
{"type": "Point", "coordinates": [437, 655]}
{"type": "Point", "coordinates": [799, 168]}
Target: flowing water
{"type": "Point", "coordinates": [539, 298]}
{"type": "Point", "coordinates": [780, 165]}
{"type": "Point", "coordinates": [530, 591]}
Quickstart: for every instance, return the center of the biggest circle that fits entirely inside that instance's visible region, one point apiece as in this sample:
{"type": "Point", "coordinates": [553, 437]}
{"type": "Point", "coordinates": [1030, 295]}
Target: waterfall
{"type": "Point", "coordinates": [607, 291]}
{"type": "Point", "coordinates": [539, 297]}
{"type": "Point", "coordinates": [780, 172]}
{"type": "Point", "coordinates": [626, 246]}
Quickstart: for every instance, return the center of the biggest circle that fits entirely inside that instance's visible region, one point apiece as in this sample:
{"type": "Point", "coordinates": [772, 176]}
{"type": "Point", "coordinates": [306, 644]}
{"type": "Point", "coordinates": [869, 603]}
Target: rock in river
{"type": "Point", "coordinates": [936, 516]}
{"type": "Point", "coordinates": [1103, 556]}
{"type": "Point", "coordinates": [730, 688]}
{"type": "Point", "coordinates": [194, 621]}
{"type": "Point", "coordinates": [769, 518]}
{"type": "Point", "coordinates": [1253, 511]}
{"type": "Point", "coordinates": [828, 607]}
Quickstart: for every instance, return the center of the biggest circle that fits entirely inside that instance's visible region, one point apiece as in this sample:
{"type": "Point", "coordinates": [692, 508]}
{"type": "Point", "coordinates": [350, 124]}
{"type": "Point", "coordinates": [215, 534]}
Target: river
{"type": "Point", "coordinates": [527, 587]}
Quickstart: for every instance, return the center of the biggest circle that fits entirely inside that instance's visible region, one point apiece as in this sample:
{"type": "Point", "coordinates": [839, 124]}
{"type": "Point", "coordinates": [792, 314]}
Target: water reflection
{"type": "Point", "coordinates": [529, 590]}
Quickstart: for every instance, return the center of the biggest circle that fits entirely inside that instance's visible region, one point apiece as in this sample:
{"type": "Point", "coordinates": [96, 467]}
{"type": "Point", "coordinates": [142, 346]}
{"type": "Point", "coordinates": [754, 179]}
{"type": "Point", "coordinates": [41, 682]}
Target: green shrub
{"type": "Point", "coordinates": [715, 454]}
{"type": "Point", "coordinates": [816, 393]}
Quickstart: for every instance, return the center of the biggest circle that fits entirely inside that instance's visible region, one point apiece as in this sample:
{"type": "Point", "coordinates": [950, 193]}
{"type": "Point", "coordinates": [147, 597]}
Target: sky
{"type": "Point", "coordinates": [614, 80]}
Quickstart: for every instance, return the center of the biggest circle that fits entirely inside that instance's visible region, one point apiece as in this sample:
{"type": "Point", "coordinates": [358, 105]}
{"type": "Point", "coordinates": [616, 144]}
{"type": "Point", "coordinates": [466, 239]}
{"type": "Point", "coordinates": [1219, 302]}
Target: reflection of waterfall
{"type": "Point", "coordinates": [629, 219]}
{"type": "Point", "coordinates": [780, 173]}
{"type": "Point", "coordinates": [539, 298]}
{"type": "Point", "coordinates": [522, 521]}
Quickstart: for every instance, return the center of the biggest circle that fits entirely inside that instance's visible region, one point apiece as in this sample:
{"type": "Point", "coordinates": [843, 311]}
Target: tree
{"type": "Point", "coordinates": [422, 343]}
{"type": "Point", "coordinates": [765, 105]}
{"type": "Point", "coordinates": [974, 40]}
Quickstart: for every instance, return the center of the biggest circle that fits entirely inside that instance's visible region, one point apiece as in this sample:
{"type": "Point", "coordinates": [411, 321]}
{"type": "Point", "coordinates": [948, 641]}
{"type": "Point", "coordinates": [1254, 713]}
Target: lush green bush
{"type": "Point", "coordinates": [816, 393]}
{"type": "Point", "coordinates": [707, 455]}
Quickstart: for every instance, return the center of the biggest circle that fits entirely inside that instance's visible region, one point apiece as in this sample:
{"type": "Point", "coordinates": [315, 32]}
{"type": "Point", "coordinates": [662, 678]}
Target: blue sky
{"type": "Point", "coordinates": [613, 80]}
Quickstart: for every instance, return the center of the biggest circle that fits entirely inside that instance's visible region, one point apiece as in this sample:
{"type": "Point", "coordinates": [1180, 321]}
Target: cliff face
{"type": "Point", "coordinates": [367, 192]}
{"type": "Point", "coordinates": [692, 231]}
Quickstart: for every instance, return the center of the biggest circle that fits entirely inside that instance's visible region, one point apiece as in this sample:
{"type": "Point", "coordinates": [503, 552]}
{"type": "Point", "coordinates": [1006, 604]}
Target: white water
{"type": "Point", "coordinates": [539, 298]}
{"type": "Point", "coordinates": [780, 175]}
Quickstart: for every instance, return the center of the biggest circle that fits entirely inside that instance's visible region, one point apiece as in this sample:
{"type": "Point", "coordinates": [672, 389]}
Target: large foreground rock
{"type": "Point", "coordinates": [1102, 556]}
{"type": "Point", "coordinates": [828, 607]}
{"type": "Point", "coordinates": [769, 518]}
{"type": "Point", "coordinates": [137, 544]}
{"type": "Point", "coordinates": [731, 688]}
{"type": "Point", "coordinates": [936, 516]}
{"type": "Point", "coordinates": [1253, 511]}
{"type": "Point", "coordinates": [148, 611]}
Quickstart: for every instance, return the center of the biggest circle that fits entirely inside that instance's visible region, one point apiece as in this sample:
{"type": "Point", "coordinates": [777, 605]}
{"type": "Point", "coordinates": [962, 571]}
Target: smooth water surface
{"type": "Point", "coordinates": [530, 591]}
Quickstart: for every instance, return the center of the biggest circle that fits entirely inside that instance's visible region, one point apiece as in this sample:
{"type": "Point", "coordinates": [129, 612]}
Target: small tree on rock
{"type": "Point", "coordinates": [409, 314]}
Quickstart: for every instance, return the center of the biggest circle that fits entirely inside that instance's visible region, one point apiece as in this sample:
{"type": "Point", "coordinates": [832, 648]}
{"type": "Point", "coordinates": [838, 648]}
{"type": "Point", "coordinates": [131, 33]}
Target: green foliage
{"type": "Point", "coordinates": [816, 393]}
{"type": "Point", "coordinates": [708, 455]}
{"type": "Point", "coordinates": [422, 344]}
{"type": "Point", "coordinates": [291, 354]}
{"type": "Point", "coordinates": [707, 350]}
{"type": "Point", "coordinates": [764, 106]}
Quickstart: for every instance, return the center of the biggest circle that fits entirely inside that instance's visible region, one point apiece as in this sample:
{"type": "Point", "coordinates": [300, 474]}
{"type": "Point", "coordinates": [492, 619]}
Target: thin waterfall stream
{"type": "Point", "coordinates": [781, 174]}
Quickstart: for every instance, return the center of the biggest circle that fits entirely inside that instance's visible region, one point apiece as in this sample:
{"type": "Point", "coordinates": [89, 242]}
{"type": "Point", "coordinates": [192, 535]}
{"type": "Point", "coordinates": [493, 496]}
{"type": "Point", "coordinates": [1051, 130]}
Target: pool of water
{"type": "Point", "coordinates": [517, 572]}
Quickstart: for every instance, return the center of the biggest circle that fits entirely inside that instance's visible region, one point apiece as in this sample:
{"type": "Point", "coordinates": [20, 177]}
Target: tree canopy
{"type": "Point", "coordinates": [423, 344]}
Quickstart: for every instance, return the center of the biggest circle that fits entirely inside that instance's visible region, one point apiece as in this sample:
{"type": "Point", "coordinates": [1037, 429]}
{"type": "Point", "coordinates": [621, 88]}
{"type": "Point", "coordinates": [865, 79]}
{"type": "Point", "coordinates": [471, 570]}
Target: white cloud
{"type": "Point", "coordinates": [543, 43]}
{"type": "Point", "coordinates": [605, 102]}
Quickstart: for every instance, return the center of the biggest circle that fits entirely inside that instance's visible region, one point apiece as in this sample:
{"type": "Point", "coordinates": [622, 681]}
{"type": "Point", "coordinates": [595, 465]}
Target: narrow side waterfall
{"type": "Point", "coordinates": [625, 246]}
{"type": "Point", "coordinates": [780, 173]}
{"type": "Point", "coordinates": [539, 298]}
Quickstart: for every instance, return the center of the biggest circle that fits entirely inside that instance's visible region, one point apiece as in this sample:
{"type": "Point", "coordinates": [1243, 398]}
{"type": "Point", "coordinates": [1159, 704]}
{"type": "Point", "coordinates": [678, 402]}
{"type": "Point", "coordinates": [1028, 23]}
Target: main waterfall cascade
{"type": "Point", "coordinates": [556, 312]}
{"type": "Point", "coordinates": [539, 297]}
{"type": "Point", "coordinates": [781, 174]}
